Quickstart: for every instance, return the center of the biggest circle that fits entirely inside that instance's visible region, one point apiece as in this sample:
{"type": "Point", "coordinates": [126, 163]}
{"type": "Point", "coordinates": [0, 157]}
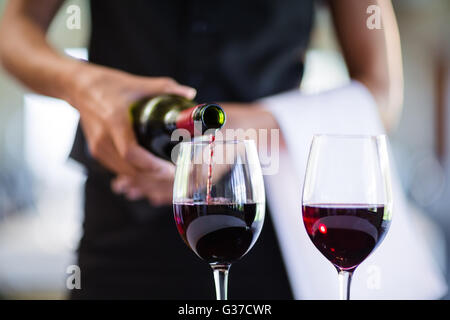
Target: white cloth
{"type": "Point", "coordinates": [402, 266]}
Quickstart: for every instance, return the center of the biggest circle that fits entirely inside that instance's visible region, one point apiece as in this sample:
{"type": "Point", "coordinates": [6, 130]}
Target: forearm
{"type": "Point", "coordinates": [248, 116]}
{"type": "Point", "coordinates": [26, 54]}
{"type": "Point", "coordinates": [373, 56]}
{"type": "Point", "coordinates": [350, 109]}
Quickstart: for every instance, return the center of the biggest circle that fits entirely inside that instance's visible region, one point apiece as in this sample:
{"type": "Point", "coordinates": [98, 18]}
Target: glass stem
{"type": "Point", "coordinates": [221, 280]}
{"type": "Point", "coordinates": [345, 278]}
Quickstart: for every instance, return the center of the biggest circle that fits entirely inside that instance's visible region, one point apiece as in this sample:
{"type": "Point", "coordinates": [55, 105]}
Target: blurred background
{"type": "Point", "coordinates": [41, 189]}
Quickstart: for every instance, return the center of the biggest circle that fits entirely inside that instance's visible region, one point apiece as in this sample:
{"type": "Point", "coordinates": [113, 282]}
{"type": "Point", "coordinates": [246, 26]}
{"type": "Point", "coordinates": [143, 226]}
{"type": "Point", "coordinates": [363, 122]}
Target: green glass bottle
{"type": "Point", "coordinates": [155, 119]}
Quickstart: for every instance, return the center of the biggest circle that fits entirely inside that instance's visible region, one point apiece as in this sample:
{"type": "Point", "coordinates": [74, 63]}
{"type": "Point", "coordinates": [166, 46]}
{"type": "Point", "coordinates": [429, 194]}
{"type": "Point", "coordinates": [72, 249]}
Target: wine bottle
{"type": "Point", "coordinates": [156, 118]}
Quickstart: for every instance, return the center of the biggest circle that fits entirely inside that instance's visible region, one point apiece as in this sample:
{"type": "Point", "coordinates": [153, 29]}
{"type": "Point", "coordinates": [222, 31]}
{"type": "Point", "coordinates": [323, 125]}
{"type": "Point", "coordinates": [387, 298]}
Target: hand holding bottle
{"type": "Point", "coordinates": [157, 188]}
{"type": "Point", "coordinates": [103, 97]}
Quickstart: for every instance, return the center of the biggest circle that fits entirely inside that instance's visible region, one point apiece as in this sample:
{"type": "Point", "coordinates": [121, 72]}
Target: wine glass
{"type": "Point", "coordinates": [219, 202]}
{"type": "Point", "coordinates": [347, 200]}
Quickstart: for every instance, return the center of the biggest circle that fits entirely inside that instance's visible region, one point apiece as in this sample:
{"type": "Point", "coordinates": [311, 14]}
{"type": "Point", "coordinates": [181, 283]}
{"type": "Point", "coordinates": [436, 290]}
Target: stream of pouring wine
{"type": "Point", "coordinates": [212, 138]}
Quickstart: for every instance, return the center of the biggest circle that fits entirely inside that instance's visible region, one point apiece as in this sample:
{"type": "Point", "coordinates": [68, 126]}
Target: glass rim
{"type": "Point", "coordinates": [350, 136]}
{"type": "Point", "coordinates": [207, 142]}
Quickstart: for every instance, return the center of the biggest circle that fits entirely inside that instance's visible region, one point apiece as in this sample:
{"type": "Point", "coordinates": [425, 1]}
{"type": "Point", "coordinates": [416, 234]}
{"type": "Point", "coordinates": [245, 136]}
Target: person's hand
{"type": "Point", "coordinates": [103, 97]}
{"type": "Point", "coordinates": [248, 115]}
{"type": "Point", "coordinates": [156, 187]}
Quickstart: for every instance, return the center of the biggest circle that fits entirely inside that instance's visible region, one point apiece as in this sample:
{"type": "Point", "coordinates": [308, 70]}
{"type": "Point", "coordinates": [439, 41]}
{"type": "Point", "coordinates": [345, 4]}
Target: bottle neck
{"type": "Point", "coordinates": [201, 118]}
{"type": "Point", "coordinates": [186, 119]}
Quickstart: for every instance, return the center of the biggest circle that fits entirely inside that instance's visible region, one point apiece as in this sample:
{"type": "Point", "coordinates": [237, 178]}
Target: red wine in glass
{"type": "Point", "coordinates": [345, 233]}
{"type": "Point", "coordinates": [219, 232]}
{"type": "Point", "coordinates": [347, 199]}
{"type": "Point", "coordinates": [219, 206]}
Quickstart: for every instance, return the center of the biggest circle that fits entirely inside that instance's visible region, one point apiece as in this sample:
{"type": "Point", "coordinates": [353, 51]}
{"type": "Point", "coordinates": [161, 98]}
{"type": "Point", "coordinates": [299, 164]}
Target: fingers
{"type": "Point", "coordinates": [133, 192]}
{"type": "Point", "coordinates": [123, 134]}
{"type": "Point", "coordinates": [107, 154]}
{"type": "Point", "coordinates": [131, 152]}
{"type": "Point", "coordinates": [157, 189]}
{"type": "Point", "coordinates": [143, 180]}
{"type": "Point", "coordinates": [181, 90]}
{"type": "Point", "coordinates": [109, 130]}
{"type": "Point", "coordinates": [123, 185]}
{"type": "Point", "coordinates": [102, 148]}
{"type": "Point", "coordinates": [155, 86]}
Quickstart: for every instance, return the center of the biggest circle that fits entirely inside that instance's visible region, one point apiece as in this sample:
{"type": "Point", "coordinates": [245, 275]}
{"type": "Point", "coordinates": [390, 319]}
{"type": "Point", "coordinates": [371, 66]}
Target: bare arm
{"type": "Point", "coordinates": [373, 57]}
{"type": "Point", "coordinates": [24, 51]}
{"type": "Point", "coordinates": [101, 95]}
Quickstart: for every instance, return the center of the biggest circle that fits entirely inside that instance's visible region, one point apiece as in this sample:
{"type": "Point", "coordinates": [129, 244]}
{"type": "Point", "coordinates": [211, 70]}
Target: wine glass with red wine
{"type": "Point", "coordinates": [219, 202]}
{"type": "Point", "coordinates": [347, 200]}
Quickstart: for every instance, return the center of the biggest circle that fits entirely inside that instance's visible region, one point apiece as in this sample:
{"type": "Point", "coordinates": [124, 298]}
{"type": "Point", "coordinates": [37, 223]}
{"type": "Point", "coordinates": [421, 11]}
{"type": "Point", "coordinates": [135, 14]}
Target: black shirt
{"type": "Point", "coordinates": [234, 50]}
